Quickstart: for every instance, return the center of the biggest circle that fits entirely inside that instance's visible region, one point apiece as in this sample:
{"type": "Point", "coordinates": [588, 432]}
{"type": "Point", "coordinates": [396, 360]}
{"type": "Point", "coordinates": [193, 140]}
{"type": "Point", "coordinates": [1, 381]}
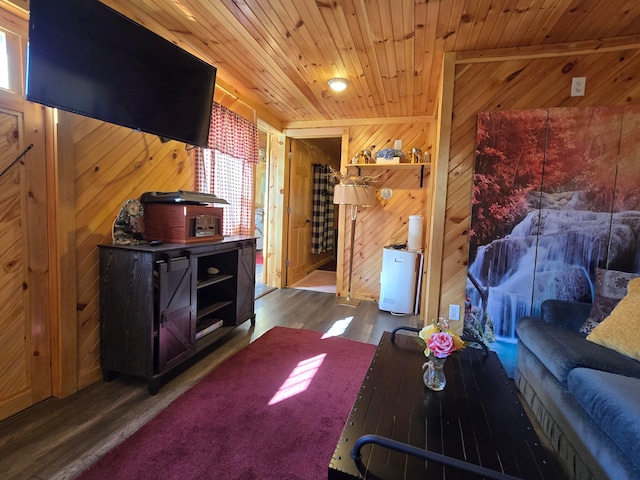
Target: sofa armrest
{"type": "Point", "coordinates": [568, 314]}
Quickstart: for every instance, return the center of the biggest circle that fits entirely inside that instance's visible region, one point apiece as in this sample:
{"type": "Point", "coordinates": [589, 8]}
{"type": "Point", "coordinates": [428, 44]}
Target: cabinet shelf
{"type": "Point", "coordinates": [210, 338]}
{"type": "Point", "coordinates": [207, 326]}
{"type": "Point", "coordinates": [214, 307]}
{"type": "Point", "coordinates": [213, 280]}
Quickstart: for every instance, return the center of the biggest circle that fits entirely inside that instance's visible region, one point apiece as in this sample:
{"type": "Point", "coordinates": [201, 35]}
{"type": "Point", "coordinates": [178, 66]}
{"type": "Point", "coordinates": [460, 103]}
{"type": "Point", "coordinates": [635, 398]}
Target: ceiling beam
{"type": "Point", "coordinates": [546, 51]}
{"type": "Point", "coordinates": [359, 121]}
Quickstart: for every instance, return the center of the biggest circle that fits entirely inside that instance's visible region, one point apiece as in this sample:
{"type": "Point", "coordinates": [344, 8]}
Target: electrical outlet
{"type": "Point", "coordinates": [578, 85]}
{"type": "Point", "coordinates": [454, 312]}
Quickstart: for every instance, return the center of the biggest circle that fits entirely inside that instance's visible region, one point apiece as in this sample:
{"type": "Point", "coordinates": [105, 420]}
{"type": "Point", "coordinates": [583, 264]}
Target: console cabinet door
{"type": "Point", "coordinates": [127, 312]}
{"type": "Point", "coordinates": [245, 295]}
{"type": "Point", "coordinates": [176, 312]}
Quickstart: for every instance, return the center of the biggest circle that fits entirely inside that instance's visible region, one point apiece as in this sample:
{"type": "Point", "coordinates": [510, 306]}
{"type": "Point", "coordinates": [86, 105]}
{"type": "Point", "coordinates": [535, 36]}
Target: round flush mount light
{"type": "Point", "coordinates": [338, 84]}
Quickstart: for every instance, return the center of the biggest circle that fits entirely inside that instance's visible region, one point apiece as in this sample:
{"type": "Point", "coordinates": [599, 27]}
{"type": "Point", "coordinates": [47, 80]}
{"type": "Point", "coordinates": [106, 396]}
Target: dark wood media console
{"type": "Point", "coordinates": [161, 305]}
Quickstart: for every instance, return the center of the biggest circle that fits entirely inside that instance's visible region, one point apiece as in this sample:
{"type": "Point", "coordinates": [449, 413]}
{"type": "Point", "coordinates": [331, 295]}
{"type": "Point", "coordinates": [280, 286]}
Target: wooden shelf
{"type": "Point", "coordinates": [390, 165]}
{"type": "Point", "coordinates": [213, 279]}
{"type": "Point", "coordinates": [424, 167]}
{"type": "Point", "coordinates": [212, 337]}
{"type": "Point", "coordinates": [212, 308]}
{"type": "Point", "coordinates": [207, 326]}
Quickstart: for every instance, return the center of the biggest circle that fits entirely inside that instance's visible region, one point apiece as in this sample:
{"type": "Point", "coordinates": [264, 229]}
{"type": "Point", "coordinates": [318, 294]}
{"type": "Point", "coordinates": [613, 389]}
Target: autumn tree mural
{"type": "Point", "coordinates": [554, 196]}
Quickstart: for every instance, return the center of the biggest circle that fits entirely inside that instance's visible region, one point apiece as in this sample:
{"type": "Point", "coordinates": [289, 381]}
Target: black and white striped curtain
{"type": "Point", "coordinates": [322, 220]}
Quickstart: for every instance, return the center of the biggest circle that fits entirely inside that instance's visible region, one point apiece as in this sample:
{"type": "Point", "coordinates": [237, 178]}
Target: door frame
{"type": "Point", "coordinates": [276, 238]}
{"type": "Point", "coordinates": [329, 132]}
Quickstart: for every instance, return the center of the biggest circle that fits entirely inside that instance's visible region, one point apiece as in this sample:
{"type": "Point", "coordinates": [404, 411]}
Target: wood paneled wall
{"type": "Point", "coordinates": [383, 136]}
{"type": "Point", "coordinates": [111, 165]}
{"type": "Point", "coordinates": [387, 222]}
{"type": "Point", "coordinates": [511, 83]}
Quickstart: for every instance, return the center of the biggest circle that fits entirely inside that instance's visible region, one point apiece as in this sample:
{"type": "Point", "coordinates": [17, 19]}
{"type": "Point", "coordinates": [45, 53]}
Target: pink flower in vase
{"type": "Point", "coordinates": [441, 344]}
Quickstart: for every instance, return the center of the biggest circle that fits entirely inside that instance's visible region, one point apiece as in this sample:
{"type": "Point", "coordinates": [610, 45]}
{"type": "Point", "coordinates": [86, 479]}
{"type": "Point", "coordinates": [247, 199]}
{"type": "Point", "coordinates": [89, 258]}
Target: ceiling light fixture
{"type": "Point", "coordinates": [338, 84]}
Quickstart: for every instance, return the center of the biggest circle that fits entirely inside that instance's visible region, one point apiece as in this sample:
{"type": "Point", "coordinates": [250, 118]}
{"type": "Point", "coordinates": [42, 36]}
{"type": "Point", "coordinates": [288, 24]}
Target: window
{"type": "Point", "coordinates": [226, 168]}
{"type": "Point", "coordinates": [4, 62]}
{"type": "Point", "coordinates": [11, 74]}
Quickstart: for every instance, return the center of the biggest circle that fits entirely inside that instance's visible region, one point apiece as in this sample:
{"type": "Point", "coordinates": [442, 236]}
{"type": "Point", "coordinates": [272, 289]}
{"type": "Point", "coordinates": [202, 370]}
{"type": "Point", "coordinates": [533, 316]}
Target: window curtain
{"type": "Point", "coordinates": [322, 214]}
{"type": "Point", "coordinates": [226, 168]}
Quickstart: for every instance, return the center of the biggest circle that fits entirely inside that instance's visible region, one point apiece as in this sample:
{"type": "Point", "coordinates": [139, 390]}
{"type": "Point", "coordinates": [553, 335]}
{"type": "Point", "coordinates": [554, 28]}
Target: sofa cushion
{"type": "Point", "coordinates": [610, 287]}
{"type": "Point", "coordinates": [568, 314]}
{"type": "Point", "coordinates": [612, 402]}
{"type": "Point", "coordinates": [586, 451]}
{"type": "Point", "coordinates": [619, 331]}
{"type": "Point", "coordinates": [561, 350]}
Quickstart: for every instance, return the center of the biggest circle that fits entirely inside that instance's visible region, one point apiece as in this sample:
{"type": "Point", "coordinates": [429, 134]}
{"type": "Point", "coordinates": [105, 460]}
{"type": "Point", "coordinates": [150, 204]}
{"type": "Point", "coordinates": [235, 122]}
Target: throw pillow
{"type": "Point", "coordinates": [619, 331]}
{"type": "Point", "coordinates": [610, 288]}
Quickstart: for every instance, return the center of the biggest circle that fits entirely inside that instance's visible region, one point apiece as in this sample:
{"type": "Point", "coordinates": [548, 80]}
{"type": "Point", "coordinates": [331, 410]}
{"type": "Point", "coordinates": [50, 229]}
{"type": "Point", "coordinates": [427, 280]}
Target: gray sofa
{"type": "Point", "coordinates": [586, 397]}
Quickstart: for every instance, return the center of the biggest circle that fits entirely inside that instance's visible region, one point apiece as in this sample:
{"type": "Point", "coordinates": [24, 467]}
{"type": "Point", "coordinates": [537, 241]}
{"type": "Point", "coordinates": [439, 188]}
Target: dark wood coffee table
{"type": "Point", "coordinates": [477, 419]}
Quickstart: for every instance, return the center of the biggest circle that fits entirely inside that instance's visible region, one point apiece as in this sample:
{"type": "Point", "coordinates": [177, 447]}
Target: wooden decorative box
{"type": "Point", "coordinates": [180, 223]}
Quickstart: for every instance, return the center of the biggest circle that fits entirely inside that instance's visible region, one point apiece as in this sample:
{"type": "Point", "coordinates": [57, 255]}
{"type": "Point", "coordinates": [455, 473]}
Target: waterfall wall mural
{"type": "Point", "coordinates": [556, 194]}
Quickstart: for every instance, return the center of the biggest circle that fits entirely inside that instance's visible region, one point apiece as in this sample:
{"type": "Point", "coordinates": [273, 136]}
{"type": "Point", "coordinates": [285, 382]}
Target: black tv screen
{"type": "Point", "coordinates": [86, 58]}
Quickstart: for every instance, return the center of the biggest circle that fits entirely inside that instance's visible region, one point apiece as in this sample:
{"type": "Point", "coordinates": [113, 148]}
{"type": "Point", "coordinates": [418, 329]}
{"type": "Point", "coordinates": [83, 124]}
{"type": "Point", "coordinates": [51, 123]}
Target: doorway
{"type": "Point", "coordinates": [311, 268]}
{"type": "Point", "coordinates": [260, 203]}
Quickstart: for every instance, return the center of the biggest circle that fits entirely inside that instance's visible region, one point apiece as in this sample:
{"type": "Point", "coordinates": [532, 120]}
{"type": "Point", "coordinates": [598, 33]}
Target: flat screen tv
{"type": "Point", "coordinates": [86, 58]}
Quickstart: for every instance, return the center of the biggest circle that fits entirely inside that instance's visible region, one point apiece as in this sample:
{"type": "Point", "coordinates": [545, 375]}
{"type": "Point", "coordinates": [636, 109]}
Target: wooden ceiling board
{"type": "Point", "coordinates": [293, 43]}
{"type": "Point", "coordinates": [433, 56]}
{"type": "Point", "coordinates": [279, 54]}
{"type": "Point", "coordinates": [364, 58]}
{"type": "Point", "coordinates": [629, 20]}
{"type": "Point", "coordinates": [239, 49]}
{"type": "Point", "coordinates": [249, 50]}
{"type": "Point", "coordinates": [349, 40]}
{"type": "Point", "coordinates": [326, 67]}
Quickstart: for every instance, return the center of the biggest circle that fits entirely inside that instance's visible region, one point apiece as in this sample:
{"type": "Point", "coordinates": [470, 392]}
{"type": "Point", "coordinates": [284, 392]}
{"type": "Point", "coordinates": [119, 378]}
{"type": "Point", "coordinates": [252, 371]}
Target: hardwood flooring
{"type": "Point", "coordinates": [59, 438]}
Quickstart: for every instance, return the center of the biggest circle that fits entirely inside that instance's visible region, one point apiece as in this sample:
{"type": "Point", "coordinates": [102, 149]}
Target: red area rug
{"type": "Point", "coordinates": [273, 411]}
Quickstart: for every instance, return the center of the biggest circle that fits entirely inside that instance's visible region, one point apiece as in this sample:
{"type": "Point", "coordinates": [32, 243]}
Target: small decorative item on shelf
{"type": "Point", "coordinates": [389, 156]}
{"type": "Point", "coordinates": [363, 157]}
{"type": "Point", "coordinates": [415, 156]}
{"type": "Point", "coordinates": [440, 342]}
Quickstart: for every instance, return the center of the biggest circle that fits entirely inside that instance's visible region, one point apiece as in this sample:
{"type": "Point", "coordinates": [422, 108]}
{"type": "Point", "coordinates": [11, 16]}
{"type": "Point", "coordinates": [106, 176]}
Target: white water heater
{"type": "Point", "coordinates": [400, 280]}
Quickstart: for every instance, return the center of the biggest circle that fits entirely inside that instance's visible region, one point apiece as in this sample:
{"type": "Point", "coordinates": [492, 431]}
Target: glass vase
{"type": "Point", "coordinates": [433, 373]}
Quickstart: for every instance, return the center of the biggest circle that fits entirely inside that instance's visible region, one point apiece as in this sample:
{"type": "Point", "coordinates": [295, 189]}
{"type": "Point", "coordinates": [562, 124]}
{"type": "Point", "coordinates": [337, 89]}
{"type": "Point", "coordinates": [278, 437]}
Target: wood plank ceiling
{"type": "Point", "coordinates": [280, 53]}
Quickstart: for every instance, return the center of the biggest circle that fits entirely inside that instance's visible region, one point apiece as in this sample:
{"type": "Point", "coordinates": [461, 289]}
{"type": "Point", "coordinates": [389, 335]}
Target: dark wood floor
{"type": "Point", "coordinates": [59, 438]}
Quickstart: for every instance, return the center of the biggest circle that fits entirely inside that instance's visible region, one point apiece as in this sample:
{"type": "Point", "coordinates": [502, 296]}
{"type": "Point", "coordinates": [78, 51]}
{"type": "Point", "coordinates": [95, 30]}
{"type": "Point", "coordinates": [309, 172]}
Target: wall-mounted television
{"type": "Point", "coordinates": [86, 58]}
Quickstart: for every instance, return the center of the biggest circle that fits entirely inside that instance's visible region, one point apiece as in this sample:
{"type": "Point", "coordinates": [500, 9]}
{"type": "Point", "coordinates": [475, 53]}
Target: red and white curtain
{"type": "Point", "coordinates": [226, 168]}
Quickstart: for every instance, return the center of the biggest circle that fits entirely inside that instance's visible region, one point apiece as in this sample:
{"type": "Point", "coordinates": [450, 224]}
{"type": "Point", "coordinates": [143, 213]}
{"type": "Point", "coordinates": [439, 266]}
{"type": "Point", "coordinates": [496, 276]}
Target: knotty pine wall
{"type": "Point", "coordinates": [520, 82]}
{"type": "Point", "coordinates": [111, 164]}
{"type": "Point", "coordinates": [387, 222]}
{"type": "Point", "coordinates": [114, 164]}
